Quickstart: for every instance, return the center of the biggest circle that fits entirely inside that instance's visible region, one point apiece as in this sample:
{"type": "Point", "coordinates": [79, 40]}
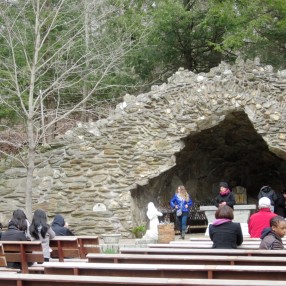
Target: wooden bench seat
{"type": "Point", "coordinates": [168, 270]}
{"type": "Point", "coordinates": [64, 247]}
{"type": "Point", "coordinates": [9, 279]}
{"type": "Point", "coordinates": [201, 251]}
{"type": "Point", "coordinates": [198, 245]}
{"type": "Point", "coordinates": [88, 244]}
{"type": "Point", "coordinates": [186, 259]}
{"type": "Point", "coordinates": [3, 262]}
{"type": "Point", "coordinates": [24, 252]}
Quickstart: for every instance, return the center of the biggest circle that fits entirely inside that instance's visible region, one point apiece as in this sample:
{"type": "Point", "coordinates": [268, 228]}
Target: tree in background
{"type": "Point", "coordinates": [252, 28]}
{"type": "Point", "coordinates": [199, 34]}
{"type": "Point", "coordinates": [52, 51]}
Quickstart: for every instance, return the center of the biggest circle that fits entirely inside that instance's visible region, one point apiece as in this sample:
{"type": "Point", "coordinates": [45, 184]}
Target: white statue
{"type": "Point", "coordinates": [152, 214]}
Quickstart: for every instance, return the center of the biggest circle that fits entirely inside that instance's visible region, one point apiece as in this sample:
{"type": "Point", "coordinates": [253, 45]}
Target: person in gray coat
{"type": "Point", "coordinates": [41, 230]}
{"type": "Point", "coordinates": [271, 237]}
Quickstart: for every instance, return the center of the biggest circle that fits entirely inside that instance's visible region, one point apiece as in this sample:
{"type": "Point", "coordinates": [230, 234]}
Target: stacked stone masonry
{"type": "Point", "coordinates": [89, 173]}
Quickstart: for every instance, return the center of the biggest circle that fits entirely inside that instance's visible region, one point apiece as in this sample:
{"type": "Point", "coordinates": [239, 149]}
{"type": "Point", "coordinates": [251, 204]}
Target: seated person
{"type": "Point", "coordinates": [272, 236]}
{"type": "Point", "coordinates": [60, 227]}
{"type": "Point", "coordinates": [261, 219]}
{"type": "Point", "coordinates": [13, 233]}
{"type": "Point", "coordinates": [223, 232]}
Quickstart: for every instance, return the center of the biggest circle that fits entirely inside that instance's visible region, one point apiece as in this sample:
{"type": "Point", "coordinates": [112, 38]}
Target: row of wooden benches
{"type": "Point", "coordinates": [27, 252]}
{"type": "Point", "coordinates": [207, 270]}
{"type": "Point", "coordinates": [170, 274]}
{"type": "Point", "coordinates": [12, 279]}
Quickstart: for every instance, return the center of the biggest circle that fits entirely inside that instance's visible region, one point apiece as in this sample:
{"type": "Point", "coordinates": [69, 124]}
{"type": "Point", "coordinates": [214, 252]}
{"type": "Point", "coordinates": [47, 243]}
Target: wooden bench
{"type": "Point", "coordinates": [88, 244]}
{"type": "Point", "coordinates": [24, 252]}
{"type": "Point", "coordinates": [73, 246]}
{"type": "Point", "coordinates": [199, 245]}
{"type": "Point", "coordinates": [64, 247]}
{"type": "Point", "coordinates": [3, 262]}
{"type": "Point", "coordinates": [201, 251]}
{"type": "Point", "coordinates": [248, 272]}
{"type": "Point", "coordinates": [186, 259]}
{"type": "Point", "coordinates": [9, 279]}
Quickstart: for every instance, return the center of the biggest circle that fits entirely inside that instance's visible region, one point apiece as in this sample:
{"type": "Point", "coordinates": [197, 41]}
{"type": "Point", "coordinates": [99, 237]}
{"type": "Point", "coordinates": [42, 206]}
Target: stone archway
{"type": "Point", "coordinates": [232, 151]}
{"type": "Point", "coordinates": [197, 129]}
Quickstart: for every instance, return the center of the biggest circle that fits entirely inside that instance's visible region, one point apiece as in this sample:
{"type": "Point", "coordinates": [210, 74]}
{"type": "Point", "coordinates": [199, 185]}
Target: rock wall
{"type": "Point", "coordinates": [89, 174]}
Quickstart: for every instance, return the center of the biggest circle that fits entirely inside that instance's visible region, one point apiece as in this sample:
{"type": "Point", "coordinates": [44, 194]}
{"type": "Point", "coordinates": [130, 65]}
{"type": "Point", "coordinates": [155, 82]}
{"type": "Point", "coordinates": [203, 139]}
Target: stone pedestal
{"type": "Point", "coordinates": [241, 215]}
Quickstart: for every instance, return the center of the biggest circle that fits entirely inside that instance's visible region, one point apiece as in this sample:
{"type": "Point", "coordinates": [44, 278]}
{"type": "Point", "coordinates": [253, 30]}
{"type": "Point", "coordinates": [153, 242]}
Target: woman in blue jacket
{"type": "Point", "coordinates": [182, 203]}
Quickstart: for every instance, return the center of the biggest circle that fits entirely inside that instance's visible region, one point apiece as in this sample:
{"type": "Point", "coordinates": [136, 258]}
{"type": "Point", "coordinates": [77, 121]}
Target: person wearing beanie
{"type": "Point", "coordinates": [225, 196]}
{"type": "Point", "coordinates": [261, 219]}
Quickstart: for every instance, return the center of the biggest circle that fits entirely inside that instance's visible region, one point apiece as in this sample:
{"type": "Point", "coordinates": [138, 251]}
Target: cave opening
{"type": "Point", "coordinates": [231, 151]}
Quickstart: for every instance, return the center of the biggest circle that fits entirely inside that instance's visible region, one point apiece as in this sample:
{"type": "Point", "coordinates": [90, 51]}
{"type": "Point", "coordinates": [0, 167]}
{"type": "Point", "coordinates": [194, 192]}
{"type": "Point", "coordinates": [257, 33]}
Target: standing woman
{"type": "Point", "coordinates": [40, 230]}
{"type": "Point", "coordinates": [225, 196]}
{"type": "Point", "coordinates": [182, 203]}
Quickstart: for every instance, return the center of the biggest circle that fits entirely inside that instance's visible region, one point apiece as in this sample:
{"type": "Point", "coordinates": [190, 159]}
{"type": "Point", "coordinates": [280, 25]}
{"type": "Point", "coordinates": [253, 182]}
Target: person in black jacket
{"type": "Point", "coordinates": [13, 233]}
{"type": "Point", "coordinates": [280, 204]}
{"type": "Point", "coordinates": [225, 196]}
{"type": "Point", "coordinates": [223, 232]}
{"type": "Point", "coordinates": [60, 227]}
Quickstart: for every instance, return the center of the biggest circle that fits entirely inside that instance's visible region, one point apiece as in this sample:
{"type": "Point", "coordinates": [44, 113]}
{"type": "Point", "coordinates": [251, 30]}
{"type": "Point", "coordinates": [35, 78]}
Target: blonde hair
{"type": "Point", "coordinates": [183, 193]}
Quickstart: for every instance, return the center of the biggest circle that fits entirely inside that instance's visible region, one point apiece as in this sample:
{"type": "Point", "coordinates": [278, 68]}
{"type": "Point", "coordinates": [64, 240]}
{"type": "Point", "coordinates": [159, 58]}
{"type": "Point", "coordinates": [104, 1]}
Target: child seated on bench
{"type": "Point", "coordinates": [272, 236]}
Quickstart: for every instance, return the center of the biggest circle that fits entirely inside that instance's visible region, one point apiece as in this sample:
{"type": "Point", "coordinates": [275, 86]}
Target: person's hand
{"type": "Point", "coordinates": [186, 206]}
{"type": "Point", "coordinates": [222, 204]}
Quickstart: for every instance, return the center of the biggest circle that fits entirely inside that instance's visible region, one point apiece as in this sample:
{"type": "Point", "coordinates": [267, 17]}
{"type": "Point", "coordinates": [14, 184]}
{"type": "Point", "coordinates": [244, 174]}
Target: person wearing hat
{"type": "Point", "coordinates": [261, 219]}
{"type": "Point", "coordinates": [225, 196]}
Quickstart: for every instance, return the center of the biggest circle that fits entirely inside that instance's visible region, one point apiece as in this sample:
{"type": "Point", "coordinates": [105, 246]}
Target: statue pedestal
{"type": "Point", "coordinates": [241, 215]}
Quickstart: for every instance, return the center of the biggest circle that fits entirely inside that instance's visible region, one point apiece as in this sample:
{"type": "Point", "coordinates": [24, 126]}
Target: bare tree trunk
{"type": "Point", "coordinates": [30, 169]}
{"type": "Point", "coordinates": [86, 38]}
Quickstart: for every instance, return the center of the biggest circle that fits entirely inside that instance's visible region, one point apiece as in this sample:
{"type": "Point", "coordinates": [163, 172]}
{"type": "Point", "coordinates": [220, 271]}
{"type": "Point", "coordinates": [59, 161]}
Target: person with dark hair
{"type": "Point", "coordinates": [23, 223]}
{"type": "Point", "coordinates": [271, 237]}
{"type": "Point", "coordinates": [223, 232]}
{"type": "Point", "coordinates": [60, 226]}
{"type": "Point", "coordinates": [41, 230]}
{"type": "Point", "coordinates": [13, 233]}
{"type": "Point", "coordinates": [268, 192]}
{"type": "Point", "coordinates": [280, 204]}
{"type": "Point", "coordinates": [225, 196]}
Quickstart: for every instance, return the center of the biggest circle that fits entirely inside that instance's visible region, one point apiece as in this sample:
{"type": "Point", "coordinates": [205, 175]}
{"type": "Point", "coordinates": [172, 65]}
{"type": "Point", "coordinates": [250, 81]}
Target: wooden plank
{"type": "Point", "coordinates": [186, 259]}
{"type": "Point", "coordinates": [201, 251]}
{"type": "Point", "coordinates": [3, 262]}
{"type": "Point", "coordinates": [88, 244]}
{"type": "Point", "coordinates": [10, 279]}
{"type": "Point", "coordinates": [64, 247]}
{"type": "Point", "coordinates": [198, 245]}
{"type": "Point", "coordinates": [247, 272]}
{"type": "Point", "coordinates": [24, 252]}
